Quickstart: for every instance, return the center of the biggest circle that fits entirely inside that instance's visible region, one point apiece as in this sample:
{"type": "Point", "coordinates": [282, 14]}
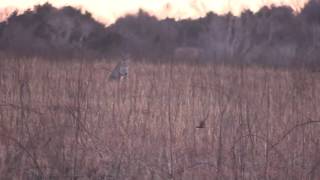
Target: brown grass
{"type": "Point", "coordinates": [68, 121]}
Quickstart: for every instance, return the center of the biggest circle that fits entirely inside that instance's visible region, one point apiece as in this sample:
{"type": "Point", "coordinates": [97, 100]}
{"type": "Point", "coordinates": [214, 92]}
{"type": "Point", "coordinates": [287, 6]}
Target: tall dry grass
{"type": "Point", "coordinates": [66, 120]}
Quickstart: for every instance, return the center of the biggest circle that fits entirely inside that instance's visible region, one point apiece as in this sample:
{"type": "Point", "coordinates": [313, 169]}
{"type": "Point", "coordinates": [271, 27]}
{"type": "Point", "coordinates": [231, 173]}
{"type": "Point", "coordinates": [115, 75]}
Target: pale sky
{"type": "Point", "coordinates": [109, 10]}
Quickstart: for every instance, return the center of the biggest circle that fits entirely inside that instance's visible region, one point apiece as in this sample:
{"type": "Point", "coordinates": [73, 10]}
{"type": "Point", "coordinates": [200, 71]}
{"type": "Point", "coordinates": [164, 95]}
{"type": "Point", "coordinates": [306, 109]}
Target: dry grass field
{"type": "Point", "coordinates": [66, 120]}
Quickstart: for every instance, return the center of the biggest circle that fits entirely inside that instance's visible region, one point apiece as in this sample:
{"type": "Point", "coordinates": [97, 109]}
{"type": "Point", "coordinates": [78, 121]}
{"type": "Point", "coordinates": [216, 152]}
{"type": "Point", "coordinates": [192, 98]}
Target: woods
{"type": "Point", "coordinates": [275, 36]}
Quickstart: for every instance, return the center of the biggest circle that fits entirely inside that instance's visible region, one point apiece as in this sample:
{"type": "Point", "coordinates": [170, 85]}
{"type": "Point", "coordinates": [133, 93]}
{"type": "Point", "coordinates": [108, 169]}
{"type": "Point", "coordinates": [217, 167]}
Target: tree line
{"type": "Point", "coordinates": [274, 35]}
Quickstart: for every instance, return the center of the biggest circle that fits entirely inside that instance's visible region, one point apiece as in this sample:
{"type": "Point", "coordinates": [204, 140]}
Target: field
{"type": "Point", "coordinates": [66, 120]}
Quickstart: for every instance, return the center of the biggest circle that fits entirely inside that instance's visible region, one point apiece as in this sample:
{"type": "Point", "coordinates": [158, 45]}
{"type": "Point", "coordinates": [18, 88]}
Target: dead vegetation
{"type": "Point", "coordinates": [65, 120]}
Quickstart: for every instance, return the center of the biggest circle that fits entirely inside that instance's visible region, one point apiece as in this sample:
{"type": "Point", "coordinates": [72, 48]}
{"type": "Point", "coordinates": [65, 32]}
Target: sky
{"type": "Point", "coordinates": [108, 11]}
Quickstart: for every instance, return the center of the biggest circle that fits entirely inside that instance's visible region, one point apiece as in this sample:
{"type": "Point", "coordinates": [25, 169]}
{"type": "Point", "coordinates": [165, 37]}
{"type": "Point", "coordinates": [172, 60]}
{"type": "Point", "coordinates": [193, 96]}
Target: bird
{"type": "Point", "coordinates": [202, 124]}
